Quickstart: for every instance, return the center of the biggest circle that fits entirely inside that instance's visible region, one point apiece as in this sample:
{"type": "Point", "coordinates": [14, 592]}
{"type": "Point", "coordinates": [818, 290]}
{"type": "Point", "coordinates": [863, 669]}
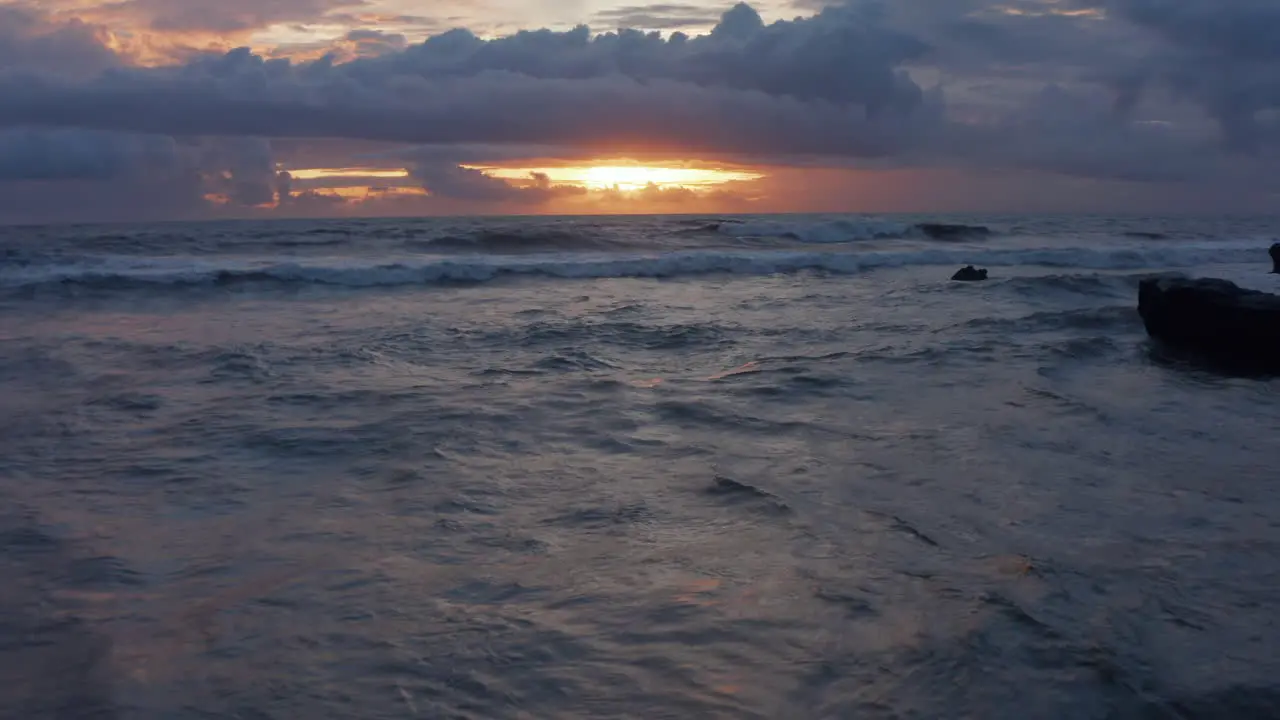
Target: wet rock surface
{"type": "Point", "coordinates": [1216, 319]}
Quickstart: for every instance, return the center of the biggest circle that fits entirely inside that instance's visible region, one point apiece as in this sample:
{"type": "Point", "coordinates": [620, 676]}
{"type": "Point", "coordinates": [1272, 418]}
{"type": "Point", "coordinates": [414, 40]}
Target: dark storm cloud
{"type": "Point", "coordinates": [1223, 55]}
{"type": "Point", "coordinates": [1220, 56]}
{"type": "Point", "coordinates": [1077, 134]}
{"type": "Point", "coordinates": [72, 174]}
{"type": "Point", "coordinates": [1020, 38]}
{"type": "Point", "coordinates": [69, 175]}
{"type": "Point", "coordinates": [42, 154]}
{"type": "Point", "coordinates": [139, 199]}
{"type": "Point", "coordinates": [1242, 30]}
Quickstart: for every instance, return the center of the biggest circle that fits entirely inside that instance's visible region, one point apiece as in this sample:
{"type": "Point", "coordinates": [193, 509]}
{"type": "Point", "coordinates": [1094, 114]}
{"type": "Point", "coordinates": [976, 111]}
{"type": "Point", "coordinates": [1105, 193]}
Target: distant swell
{"type": "Point", "coordinates": [475, 269]}
{"type": "Point", "coordinates": [508, 241]}
{"type": "Point", "coordinates": [846, 231]}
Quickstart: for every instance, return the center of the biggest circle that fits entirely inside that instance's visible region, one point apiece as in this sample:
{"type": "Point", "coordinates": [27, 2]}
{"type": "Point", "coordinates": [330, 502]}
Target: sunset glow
{"type": "Point", "coordinates": [627, 177]}
{"type": "Point", "coordinates": [624, 178]}
{"type": "Point", "coordinates": [320, 173]}
{"type": "Point", "coordinates": [208, 109]}
{"type": "Point", "coordinates": [355, 193]}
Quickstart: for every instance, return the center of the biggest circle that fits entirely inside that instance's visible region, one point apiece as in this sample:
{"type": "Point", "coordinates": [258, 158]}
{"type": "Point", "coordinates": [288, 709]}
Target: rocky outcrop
{"type": "Point", "coordinates": [1275, 258]}
{"type": "Point", "coordinates": [969, 273]}
{"type": "Point", "coordinates": [1216, 319]}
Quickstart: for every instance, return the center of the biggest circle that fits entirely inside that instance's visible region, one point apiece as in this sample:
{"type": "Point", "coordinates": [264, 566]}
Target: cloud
{"type": "Point", "coordinates": [1137, 91]}
{"type": "Point", "coordinates": [742, 88]}
{"type": "Point", "coordinates": [372, 43]}
{"type": "Point", "coordinates": [241, 169]}
{"type": "Point", "coordinates": [661, 16]}
{"type": "Point", "coordinates": [222, 16]}
{"type": "Point", "coordinates": [41, 154]}
{"type": "Point", "coordinates": [136, 200]}
{"type": "Point", "coordinates": [32, 42]}
{"type": "Point", "coordinates": [446, 180]}
{"type": "Point", "coordinates": [1237, 30]}
{"type": "Point", "coordinates": [1220, 54]}
{"type": "Point", "coordinates": [1162, 58]}
{"type": "Point", "coordinates": [1077, 133]}
{"type": "Point", "coordinates": [70, 174]}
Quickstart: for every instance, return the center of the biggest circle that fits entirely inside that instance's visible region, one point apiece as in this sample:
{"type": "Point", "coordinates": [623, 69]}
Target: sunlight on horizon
{"type": "Point", "coordinates": [625, 178]}
{"type": "Point", "coordinates": [322, 173]}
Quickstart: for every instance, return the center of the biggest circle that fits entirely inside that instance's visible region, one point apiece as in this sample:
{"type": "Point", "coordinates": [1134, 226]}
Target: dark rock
{"type": "Point", "coordinates": [1275, 258]}
{"type": "Point", "coordinates": [969, 273]}
{"type": "Point", "coordinates": [942, 231]}
{"type": "Point", "coordinates": [1217, 319]}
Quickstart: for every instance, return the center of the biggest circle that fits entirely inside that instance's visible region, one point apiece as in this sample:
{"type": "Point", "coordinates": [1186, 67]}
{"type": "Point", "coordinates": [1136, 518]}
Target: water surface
{"type": "Point", "coordinates": [632, 468]}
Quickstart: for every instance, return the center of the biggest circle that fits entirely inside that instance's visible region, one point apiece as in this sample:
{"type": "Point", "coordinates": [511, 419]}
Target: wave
{"type": "Point", "coordinates": [945, 231]}
{"type": "Point", "coordinates": [1102, 318]}
{"type": "Point", "coordinates": [516, 240]}
{"type": "Point", "coordinates": [847, 230]}
{"type": "Point", "coordinates": [1114, 285]}
{"type": "Point", "coordinates": [474, 269]}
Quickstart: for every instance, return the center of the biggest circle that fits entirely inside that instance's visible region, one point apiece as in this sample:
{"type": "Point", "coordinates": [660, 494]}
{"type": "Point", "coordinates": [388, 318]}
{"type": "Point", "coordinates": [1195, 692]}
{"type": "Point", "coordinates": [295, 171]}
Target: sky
{"type": "Point", "coordinates": [142, 110]}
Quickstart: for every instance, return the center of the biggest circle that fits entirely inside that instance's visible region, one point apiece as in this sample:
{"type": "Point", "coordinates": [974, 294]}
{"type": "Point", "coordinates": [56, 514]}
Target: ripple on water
{"type": "Point", "coordinates": [631, 335]}
{"type": "Point", "coordinates": [53, 664]}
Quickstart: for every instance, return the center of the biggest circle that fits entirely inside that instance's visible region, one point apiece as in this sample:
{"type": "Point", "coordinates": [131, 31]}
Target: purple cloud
{"type": "Point", "coordinates": [447, 180]}
{"type": "Point", "coordinates": [30, 42]}
{"type": "Point", "coordinates": [826, 84]}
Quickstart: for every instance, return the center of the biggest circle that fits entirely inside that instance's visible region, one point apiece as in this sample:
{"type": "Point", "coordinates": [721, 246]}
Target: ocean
{"type": "Point", "coordinates": [630, 467]}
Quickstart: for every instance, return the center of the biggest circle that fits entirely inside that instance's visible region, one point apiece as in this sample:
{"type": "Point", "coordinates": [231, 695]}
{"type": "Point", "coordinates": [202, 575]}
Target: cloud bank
{"type": "Point", "coordinates": [1167, 92]}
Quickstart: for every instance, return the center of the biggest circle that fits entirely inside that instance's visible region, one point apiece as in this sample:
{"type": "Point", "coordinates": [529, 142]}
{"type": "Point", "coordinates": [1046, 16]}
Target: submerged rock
{"type": "Point", "coordinates": [1216, 318]}
{"type": "Point", "coordinates": [1275, 258]}
{"type": "Point", "coordinates": [969, 273]}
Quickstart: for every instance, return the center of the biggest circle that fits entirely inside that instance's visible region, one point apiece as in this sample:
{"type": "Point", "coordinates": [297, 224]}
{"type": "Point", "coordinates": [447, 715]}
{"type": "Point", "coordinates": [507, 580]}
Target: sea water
{"type": "Point", "coordinates": [635, 467]}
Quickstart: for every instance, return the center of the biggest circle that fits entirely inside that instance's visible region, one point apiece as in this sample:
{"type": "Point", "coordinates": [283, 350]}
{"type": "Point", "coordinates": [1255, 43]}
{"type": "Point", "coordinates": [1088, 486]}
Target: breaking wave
{"type": "Point", "coordinates": [476, 269]}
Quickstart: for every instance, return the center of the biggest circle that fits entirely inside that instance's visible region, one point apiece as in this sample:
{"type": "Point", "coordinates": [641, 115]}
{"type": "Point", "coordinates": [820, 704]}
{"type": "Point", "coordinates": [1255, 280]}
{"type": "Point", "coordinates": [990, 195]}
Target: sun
{"type": "Point", "coordinates": [636, 177]}
{"type": "Point", "coordinates": [628, 178]}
